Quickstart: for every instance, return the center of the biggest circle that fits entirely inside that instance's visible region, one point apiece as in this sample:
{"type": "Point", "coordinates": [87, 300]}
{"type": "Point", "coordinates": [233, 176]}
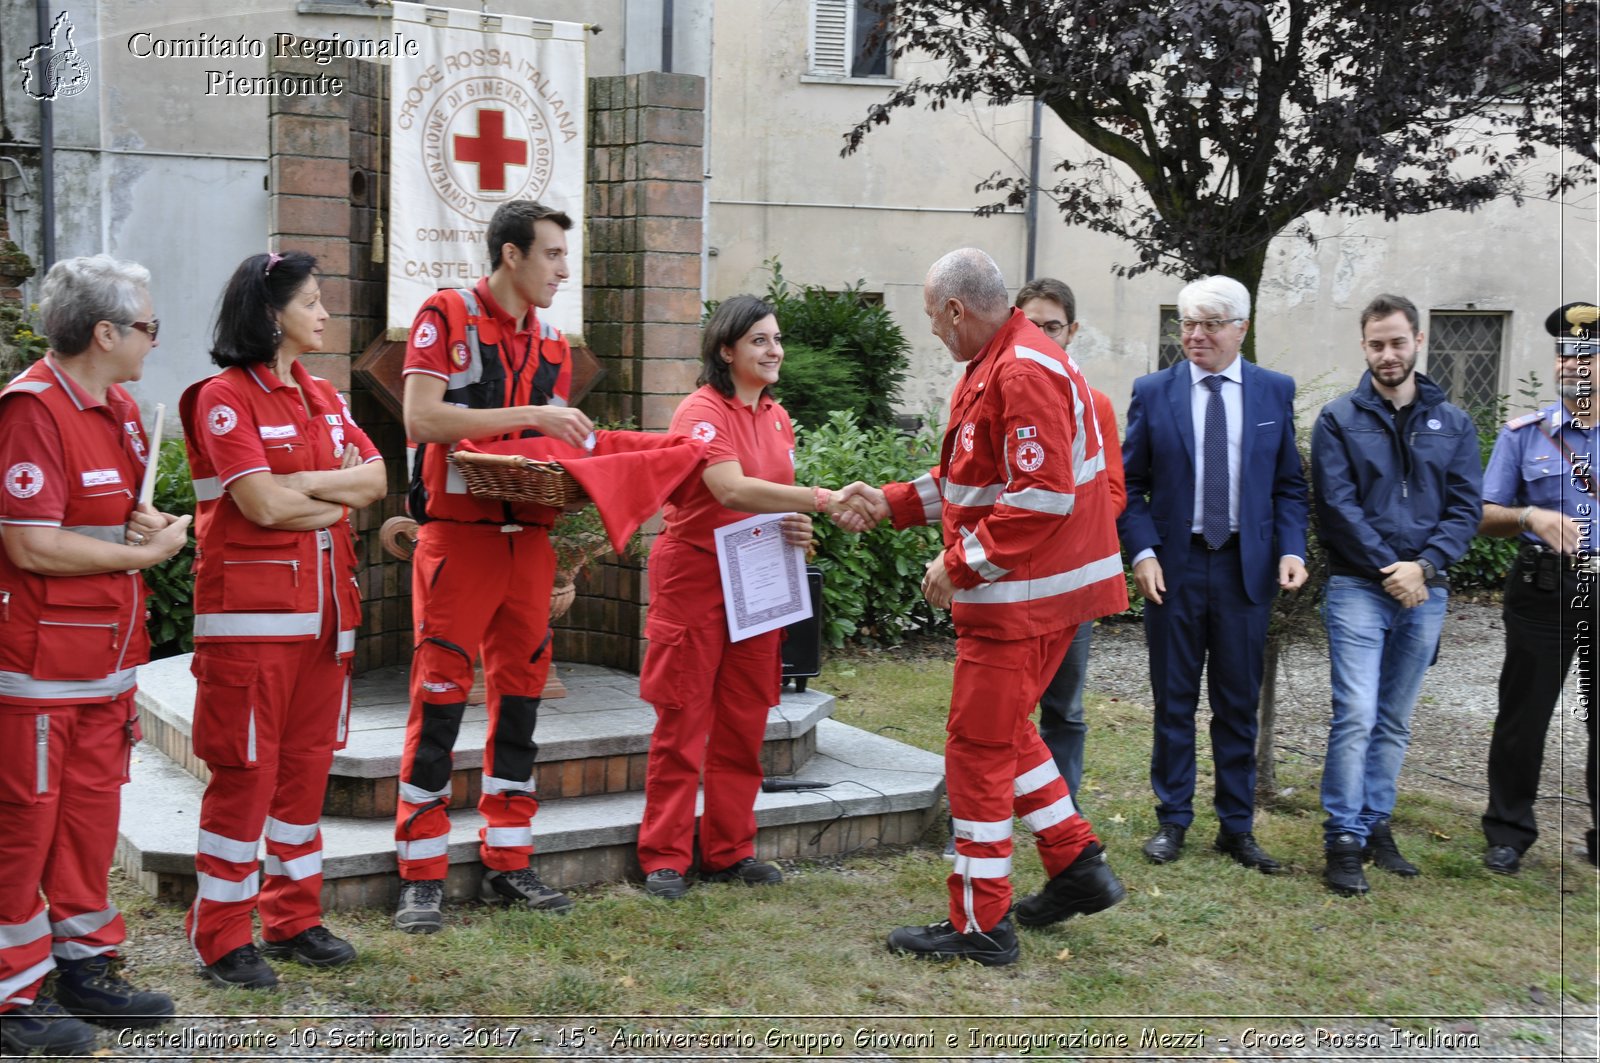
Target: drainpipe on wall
{"type": "Point", "coordinates": [1033, 191]}
{"type": "Point", "coordinates": [666, 36]}
{"type": "Point", "coordinates": [47, 143]}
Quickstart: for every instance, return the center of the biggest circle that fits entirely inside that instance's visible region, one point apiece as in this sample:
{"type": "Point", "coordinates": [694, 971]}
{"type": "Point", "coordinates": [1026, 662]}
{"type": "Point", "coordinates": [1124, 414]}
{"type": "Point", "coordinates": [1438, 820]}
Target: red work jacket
{"type": "Point", "coordinates": [267, 584]}
{"type": "Point", "coordinates": [74, 638]}
{"type": "Point", "coordinates": [488, 362]}
{"type": "Point", "coordinates": [1022, 493]}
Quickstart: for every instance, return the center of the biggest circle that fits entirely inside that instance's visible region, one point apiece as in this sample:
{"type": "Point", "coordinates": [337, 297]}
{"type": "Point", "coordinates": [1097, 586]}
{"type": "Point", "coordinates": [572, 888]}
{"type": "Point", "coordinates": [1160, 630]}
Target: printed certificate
{"type": "Point", "coordinates": [763, 578]}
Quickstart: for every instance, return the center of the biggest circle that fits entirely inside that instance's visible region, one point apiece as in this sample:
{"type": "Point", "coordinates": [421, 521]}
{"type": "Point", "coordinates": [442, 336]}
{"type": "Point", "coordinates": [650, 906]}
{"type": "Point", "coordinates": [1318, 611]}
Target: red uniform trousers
{"type": "Point", "coordinates": [474, 587]}
{"type": "Point", "coordinates": [711, 698]}
{"type": "Point", "coordinates": [996, 766]}
{"type": "Point", "coordinates": [267, 718]}
{"type": "Point", "coordinates": [62, 767]}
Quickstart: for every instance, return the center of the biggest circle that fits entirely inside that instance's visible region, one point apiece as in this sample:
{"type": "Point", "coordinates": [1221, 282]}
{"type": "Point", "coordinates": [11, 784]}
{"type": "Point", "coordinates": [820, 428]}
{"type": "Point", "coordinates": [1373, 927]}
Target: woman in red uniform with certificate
{"type": "Point", "coordinates": [711, 695]}
{"type": "Point", "coordinates": [278, 464]}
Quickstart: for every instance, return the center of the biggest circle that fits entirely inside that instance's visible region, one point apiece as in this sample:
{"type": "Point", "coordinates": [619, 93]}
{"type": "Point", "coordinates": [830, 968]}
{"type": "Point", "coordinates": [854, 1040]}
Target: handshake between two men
{"type": "Point", "coordinates": [860, 507]}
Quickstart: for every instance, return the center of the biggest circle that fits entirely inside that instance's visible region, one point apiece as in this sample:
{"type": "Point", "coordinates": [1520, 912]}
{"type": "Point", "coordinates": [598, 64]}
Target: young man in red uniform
{"type": "Point", "coordinates": [72, 614]}
{"type": "Point", "coordinates": [481, 366]}
{"type": "Point", "coordinates": [1031, 552]}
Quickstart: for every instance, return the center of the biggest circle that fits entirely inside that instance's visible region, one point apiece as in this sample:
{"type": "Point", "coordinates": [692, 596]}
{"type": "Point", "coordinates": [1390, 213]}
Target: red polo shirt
{"type": "Point", "coordinates": [760, 438]}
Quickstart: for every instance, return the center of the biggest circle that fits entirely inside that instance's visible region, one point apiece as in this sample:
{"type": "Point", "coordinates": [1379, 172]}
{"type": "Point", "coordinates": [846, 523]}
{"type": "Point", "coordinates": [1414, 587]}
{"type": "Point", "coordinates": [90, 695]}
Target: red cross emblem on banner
{"type": "Point", "coordinates": [491, 149]}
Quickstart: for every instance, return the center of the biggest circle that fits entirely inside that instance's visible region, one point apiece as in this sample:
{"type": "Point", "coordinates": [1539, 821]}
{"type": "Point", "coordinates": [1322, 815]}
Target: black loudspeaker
{"type": "Point", "coordinates": [802, 640]}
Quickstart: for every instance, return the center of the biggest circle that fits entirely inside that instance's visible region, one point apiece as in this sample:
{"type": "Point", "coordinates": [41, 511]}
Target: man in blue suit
{"type": "Point", "coordinates": [1215, 525]}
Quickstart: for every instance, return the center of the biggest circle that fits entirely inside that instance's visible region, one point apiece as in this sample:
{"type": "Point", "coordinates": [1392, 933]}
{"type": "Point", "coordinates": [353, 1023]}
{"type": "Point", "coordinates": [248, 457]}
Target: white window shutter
{"type": "Point", "coordinates": [830, 37]}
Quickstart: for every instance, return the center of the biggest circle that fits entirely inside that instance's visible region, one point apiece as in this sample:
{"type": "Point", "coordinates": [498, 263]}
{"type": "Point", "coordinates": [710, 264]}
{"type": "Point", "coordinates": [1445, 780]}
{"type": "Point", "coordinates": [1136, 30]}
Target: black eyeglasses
{"type": "Point", "coordinates": [149, 328]}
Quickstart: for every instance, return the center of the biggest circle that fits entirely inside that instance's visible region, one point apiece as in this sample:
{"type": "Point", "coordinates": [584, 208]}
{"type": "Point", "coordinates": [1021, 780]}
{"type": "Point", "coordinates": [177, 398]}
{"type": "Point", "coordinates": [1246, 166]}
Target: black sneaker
{"type": "Point", "coordinates": [1343, 873]}
{"type": "Point", "coordinates": [523, 887]}
{"type": "Point", "coordinates": [44, 1027]}
{"type": "Point", "coordinates": [749, 871]}
{"type": "Point", "coordinates": [1085, 887]}
{"type": "Point", "coordinates": [243, 967]}
{"type": "Point", "coordinates": [418, 911]}
{"type": "Point", "coordinates": [942, 941]}
{"type": "Point", "coordinates": [1385, 854]}
{"type": "Point", "coordinates": [314, 947]}
{"type": "Point", "coordinates": [666, 884]}
{"type": "Point", "coordinates": [94, 989]}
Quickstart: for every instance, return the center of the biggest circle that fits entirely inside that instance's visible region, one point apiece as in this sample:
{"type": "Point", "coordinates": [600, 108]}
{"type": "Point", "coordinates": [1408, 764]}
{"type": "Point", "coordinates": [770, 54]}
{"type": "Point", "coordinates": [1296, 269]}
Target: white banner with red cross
{"type": "Point", "coordinates": [482, 109]}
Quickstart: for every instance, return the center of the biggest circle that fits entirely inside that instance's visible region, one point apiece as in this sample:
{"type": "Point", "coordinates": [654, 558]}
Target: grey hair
{"type": "Point", "coordinates": [79, 293]}
{"type": "Point", "coordinates": [1222, 294]}
{"type": "Point", "coordinates": [972, 277]}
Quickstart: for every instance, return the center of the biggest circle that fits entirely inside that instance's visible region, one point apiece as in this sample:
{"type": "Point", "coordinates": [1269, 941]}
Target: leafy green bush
{"type": "Point", "coordinates": [817, 382]}
{"type": "Point", "coordinates": [842, 326]}
{"type": "Point", "coordinates": [1488, 561]}
{"type": "Point", "coordinates": [871, 584]}
{"type": "Point", "coordinates": [171, 583]}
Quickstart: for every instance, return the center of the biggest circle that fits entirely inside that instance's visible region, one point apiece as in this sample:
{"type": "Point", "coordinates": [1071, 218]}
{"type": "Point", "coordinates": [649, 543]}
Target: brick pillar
{"type": "Point", "coordinates": [646, 177]}
{"type": "Point", "coordinates": [326, 185]}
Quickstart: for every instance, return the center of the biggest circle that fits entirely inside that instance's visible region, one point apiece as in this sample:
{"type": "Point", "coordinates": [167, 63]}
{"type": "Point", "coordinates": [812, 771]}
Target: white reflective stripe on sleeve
{"type": "Point", "coordinates": [347, 641]}
{"type": "Point", "coordinates": [556, 400]}
{"type": "Point", "coordinates": [1052, 364]}
{"type": "Point", "coordinates": [507, 837]}
{"type": "Point", "coordinates": [411, 459]}
{"type": "Point", "coordinates": [982, 830]}
{"type": "Point", "coordinates": [225, 891]}
{"type": "Point", "coordinates": [491, 785]}
{"type": "Point", "coordinates": [33, 387]}
{"type": "Point", "coordinates": [87, 923]}
{"type": "Point", "coordinates": [1056, 812]}
{"type": "Point", "coordinates": [106, 533]}
{"type": "Point", "coordinates": [25, 933]}
{"type": "Point", "coordinates": [22, 685]}
{"type": "Point", "coordinates": [416, 795]}
{"type": "Point", "coordinates": [245, 472]}
{"type": "Point", "coordinates": [33, 523]}
{"type": "Point", "coordinates": [224, 848]}
{"type": "Point", "coordinates": [1038, 500]}
{"type": "Point", "coordinates": [983, 866]}
{"type": "Point", "coordinates": [967, 495]}
{"type": "Point", "coordinates": [928, 494]}
{"type": "Point", "coordinates": [1035, 778]}
{"type": "Point", "coordinates": [972, 552]}
{"type": "Point", "coordinates": [1031, 590]}
{"type": "Point", "coordinates": [77, 950]}
{"type": "Point", "coordinates": [261, 625]}
{"type": "Point", "coordinates": [299, 868]}
{"type": "Point", "coordinates": [423, 848]}
{"type": "Point", "coordinates": [9, 987]}
{"type": "Point", "coordinates": [207, 489]}
{"type": "Point", "coordinates": [290, 833]}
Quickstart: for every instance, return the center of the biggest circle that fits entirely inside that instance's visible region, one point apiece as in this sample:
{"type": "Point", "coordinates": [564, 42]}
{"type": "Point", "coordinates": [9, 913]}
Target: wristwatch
{"type": "Point", "coordinates": [1428, 571]}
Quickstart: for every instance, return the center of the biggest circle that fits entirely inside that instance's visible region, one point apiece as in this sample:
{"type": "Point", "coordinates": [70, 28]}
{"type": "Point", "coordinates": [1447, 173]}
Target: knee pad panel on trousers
{"type": "Point", "coordinates": [512, 744]}
{"type": "Point", "coordinates": [430, 766]}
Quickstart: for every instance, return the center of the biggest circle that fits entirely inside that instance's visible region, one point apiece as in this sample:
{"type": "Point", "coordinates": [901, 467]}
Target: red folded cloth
{"type": "Point", "coordinates": [628, 475]}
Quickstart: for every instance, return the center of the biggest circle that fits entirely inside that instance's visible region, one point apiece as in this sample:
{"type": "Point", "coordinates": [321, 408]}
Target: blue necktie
{"type": "Point", "coordinates": [1214, 507]}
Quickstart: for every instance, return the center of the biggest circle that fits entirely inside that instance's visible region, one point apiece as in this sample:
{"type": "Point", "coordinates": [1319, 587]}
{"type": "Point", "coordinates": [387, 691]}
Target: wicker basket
{"type": "Point", "coordinates": [514, 478]}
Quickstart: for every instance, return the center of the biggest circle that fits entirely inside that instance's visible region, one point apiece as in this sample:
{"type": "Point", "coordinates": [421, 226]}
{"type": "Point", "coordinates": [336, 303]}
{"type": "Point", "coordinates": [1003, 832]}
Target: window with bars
{"type": "Point", "coordinates": [850, 38]}
{"type": "Point", "coordinates": [1169, 348]}
{"type": "Point", "coordinates": [1464, 355]}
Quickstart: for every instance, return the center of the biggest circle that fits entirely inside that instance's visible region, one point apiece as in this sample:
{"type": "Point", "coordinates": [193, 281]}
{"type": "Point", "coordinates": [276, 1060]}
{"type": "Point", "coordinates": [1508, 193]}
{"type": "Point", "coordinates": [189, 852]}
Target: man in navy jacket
{"type": "Point", "coordinates": [1397, 478]}
{"type": "Point", "coordinates": [1215, 525]}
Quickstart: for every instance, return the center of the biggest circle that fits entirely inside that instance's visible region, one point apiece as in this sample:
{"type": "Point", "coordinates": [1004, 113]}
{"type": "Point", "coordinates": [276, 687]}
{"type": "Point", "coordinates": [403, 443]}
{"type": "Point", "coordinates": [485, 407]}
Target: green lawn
{"type": "Point", "coordinates": [1199, 937]}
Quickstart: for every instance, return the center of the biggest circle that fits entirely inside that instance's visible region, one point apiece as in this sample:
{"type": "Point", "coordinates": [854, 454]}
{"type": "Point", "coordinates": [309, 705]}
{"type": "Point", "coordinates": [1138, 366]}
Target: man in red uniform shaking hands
{"type": "Point", "coordinates": [1030, 553]}
{"type": "Point", "coordinates": [481, 366]}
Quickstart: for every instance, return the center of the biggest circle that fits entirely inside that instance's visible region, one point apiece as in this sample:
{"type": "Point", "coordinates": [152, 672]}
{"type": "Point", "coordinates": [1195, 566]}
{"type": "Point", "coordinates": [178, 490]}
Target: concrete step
{"type": "Point", "coordinates": [592, 741]}
{"type": "Point", "coordinates": [883, 793]}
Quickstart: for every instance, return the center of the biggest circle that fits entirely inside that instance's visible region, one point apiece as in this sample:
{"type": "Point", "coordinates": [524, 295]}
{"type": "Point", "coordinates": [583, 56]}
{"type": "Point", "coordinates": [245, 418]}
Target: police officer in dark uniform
{"type": "Point", "coordinates": [1540, 487]}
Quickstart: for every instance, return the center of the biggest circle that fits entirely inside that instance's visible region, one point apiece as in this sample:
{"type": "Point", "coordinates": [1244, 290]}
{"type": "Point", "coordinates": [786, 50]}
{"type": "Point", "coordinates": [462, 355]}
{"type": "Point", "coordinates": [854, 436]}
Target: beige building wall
{"type": "Point", "coordinates": [779, 188]}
